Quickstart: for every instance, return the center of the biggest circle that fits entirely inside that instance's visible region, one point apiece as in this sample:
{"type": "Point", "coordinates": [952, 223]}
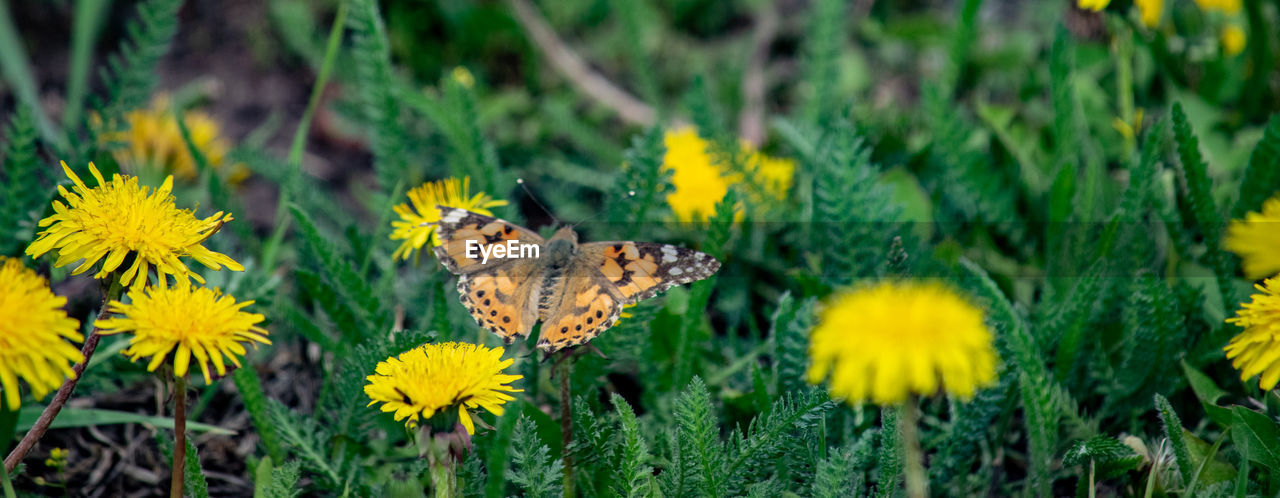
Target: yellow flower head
{"type": "Point", "coordinates": [463, 77]}
{"type": "Point", "coordinates": [1149, 11]}
{"type": "Point", "coordinates": [416, 225]}
{"type": "Point", "coordinates": [1256, 350]}
{"type": "Point", "coordinates": [1224, 6]}
{"type": "Point", "coordinates": [1233, 40]}
{"type": "Point", "coordinates": [881, 343]}
{"type": "Point", "coordinates": [190, 321]}
{"type": "Point", "coordinates": [119, 221]}
{"type": "Point", "coordinates": [33, 333]}
{"type": "Point", "coordinates": [700, 183]}
{"type": "Point", "coordinates": [152, 142]}
{"type": "Point", "coordinates": [441, 377]}
{"type": "Point", "coordinates": [1256, 239]}
{"type": "Point", "coordinates": [1094, 5]}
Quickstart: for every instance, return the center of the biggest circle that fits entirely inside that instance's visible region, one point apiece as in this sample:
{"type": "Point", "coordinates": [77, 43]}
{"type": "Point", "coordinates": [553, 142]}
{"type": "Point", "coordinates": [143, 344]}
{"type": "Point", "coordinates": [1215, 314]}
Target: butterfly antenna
{"type": "Point", "coordinates": [630, 194]}
{"type": "Point", "coordinates": [535, 200]}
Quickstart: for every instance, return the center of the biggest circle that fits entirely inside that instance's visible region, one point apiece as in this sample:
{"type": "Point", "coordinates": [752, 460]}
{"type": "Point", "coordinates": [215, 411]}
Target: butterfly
{"type": "Point", "coordinates": [509, 277]}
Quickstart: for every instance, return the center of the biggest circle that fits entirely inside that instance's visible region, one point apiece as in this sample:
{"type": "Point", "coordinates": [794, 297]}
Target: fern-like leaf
{"type": "Point", "coordinates": [20, 204]}
{"type": "Point", "coordinates": [1196, 202]}
{"type": "Point", "coordinates": [633, 474]}
{"type": "Point", "coordinates": [375, 86]}
{"type": "Point", "coordinates": [1262, 175]}
{"type": "Point", "coordinates": [789, 330]}
{"type": "Point", "coordinates": [533, 470]}
{"type": "Point", "coordinates": [129, 75]}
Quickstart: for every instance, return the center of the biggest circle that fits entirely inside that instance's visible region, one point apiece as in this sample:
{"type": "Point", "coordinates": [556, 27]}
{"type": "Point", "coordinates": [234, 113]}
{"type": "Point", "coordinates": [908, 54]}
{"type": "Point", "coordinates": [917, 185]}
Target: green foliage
{"type": "Point", "coordinates": [789, 331]}
{"type": "Point", "coordinates": [1107, 455]}
{"type": "Point", "coordinates": [891, 453]}
{"type": "Point", "coordinates": [1174, 431]}
{"type": "Point", "coordinates": [129, 75]}
{"type": "Point", "coordinates": [533, 470]}
{"type": "Point", "coordinates": [1010, 167]}
{"type": "Point", "coordinates": [1262, 175]}
{"type": "Point", "coordinates": [279, 482]}
{"type": "Point", "coordinates": [20, 205]}
{"type": "Point", "coordinates": [375, 83]}
{"type": "Point", "coordinates": [822, 60]}
{"type": "Point", "coordinates": [194, 482]}
{"type": "Point", "coordinates": [1195, 202]}
{"type": "Point", "coordinates": [851, 210]}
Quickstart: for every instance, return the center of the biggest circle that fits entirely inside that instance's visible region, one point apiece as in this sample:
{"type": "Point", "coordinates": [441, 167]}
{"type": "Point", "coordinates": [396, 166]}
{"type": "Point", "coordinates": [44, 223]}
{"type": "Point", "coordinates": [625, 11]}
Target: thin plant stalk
{"type": "Point", "coordinates": [298, 146]}
{"type": "Point", "coordinates": [442, 465]}
{"type": "Point", "coordinates": [179, 436]}
{"type": "Point", "coordinates": [8, 485]}
{"type": "Point", "coordinates": [563, 369]}
{"type": "Point", "coordinates": [917, 481]}
{"type": "Point", "coordinates": [111, 293]}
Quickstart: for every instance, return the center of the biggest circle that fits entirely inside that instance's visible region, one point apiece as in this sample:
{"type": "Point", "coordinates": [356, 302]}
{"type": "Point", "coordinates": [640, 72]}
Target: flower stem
{"type": "Point", "coordinates": [917, 481]}
{"type": "Point", "coordinates": [563, 368]}
{"type": "Point", "coordinates": [111, 293]}
{"type": "Point", "coordinates": [179, 436]}
{"type": "Point", "coordinates": [444, 474]}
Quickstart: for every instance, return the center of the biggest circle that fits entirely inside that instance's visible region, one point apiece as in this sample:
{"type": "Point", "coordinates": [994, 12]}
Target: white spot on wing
{"type": "Point", "coordinates": [669, 254]}
{"type": "Point", "coordinates": [677, 271]}
{"type": "Point", "coordinates": [453, 216]}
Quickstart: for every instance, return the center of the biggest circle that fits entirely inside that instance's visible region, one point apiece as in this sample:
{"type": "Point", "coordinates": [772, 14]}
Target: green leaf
{"type": "Point", "coordinates": [1262, 175]}
{"type": "Point", "coordinates": [891, 453]}
{"type": "Point", "coordinates": [1208, 393]}
{"type": "Point", "coordinates": [1211, 467]}
{"type": "Point", "coordinates": [1106, 454]}
{"type": "Point", "coordinates": [130, 73]}
{"type": "Point", "coordinates": [1258, 435]}
{"type": "Point", "coordinates": [1196, 202]}
{"type": "Point", "coordinates": [533, 470]}
{"type": "Point", "coordinates": [1174, 431]}
{"type": "Point", "coordinates": [255, 402]}
{"type": "Point", "coordinates": [375, 88]}
{"type": "Point", "coordinates": [87, 417]}
{"type": "Point", "coordinates": [634, 472]}
{"type": "Point", "coordinates": [699, 440]}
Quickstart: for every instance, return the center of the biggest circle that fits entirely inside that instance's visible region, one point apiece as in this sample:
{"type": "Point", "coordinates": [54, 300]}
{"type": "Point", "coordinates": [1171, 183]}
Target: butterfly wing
{"type": "Point", "coordinates": [608, 275]}
{"type": "Point", "coordinates": [498, 293]}
{"type": "Point", "coordinates": [641, 270]}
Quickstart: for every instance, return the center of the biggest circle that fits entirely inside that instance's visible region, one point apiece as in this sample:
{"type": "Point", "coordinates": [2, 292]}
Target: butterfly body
{"type": "Point", "coordinates": [576, 290]}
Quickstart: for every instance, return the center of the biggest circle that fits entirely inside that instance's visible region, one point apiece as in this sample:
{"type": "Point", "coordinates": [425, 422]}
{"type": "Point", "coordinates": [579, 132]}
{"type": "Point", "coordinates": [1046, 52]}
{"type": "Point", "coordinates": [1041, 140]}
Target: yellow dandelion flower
{"type": "Point", "coordinates": [463, 77]}
{"type": "Point", "coordinates": [33, 333]}
{"type": "Point", "coordinates": [416, 225]}
{"type": "Point", "coordinates": [1224, 6]}
{"type": "Point", "coordinates": [1094, 5]}
{"type": "Point", "coordinates": [189, 321]}
{"type": "Point", "coordinates": [152, 142]}
{"type": "Point", "coordinates": [1233, 40]}
{"type": "Point", "coordinates": [120, 220]}
{"type": "Point", "coordinates": [439, 378]}
{"type": "Point", "coordinates": [883, 342]}
{"type": "Point", "coordinates": [1256, 350]}
{"type": "Point", "coordinates": [700, 183]}
{"type": "Point", "coordinates": [1149, 11]}
{"type": "Point", "coordinates": [1256, 239]}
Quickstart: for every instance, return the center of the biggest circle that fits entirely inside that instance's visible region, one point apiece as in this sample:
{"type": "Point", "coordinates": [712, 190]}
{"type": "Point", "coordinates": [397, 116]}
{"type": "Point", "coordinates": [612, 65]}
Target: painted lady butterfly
{"type": "Point", "coordinates": [576, 290]}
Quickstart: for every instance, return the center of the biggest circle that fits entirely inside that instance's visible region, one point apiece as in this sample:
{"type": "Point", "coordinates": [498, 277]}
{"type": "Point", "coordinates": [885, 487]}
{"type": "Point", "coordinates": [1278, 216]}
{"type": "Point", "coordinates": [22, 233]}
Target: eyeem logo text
{"type": "Point", "coordinates": [512, 249]}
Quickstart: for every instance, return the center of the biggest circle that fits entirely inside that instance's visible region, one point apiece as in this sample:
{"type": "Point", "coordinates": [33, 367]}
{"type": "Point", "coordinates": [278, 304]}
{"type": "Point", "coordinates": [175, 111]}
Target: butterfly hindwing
{"type": "Point", "coordinates": [588, 306]}
{"type": "Point", "coordinates": [498, 299]}
{"type": "Point", "coordinates": [641, 270]}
